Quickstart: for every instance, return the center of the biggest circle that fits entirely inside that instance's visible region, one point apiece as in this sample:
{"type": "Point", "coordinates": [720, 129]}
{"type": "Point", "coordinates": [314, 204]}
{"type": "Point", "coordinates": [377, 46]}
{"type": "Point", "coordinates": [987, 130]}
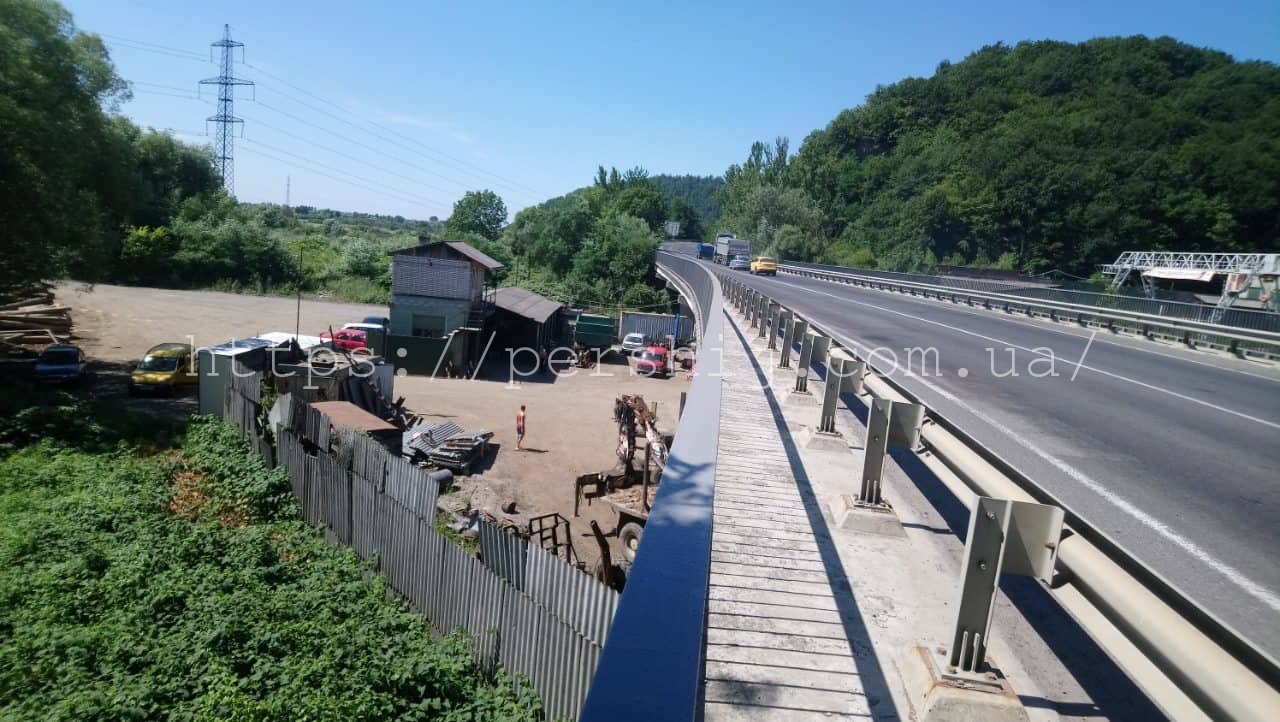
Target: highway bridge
{"type": "Point", "coordinates": [1168, 453]}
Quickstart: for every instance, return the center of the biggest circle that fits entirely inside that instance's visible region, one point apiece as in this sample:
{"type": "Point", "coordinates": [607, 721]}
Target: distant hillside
{"type": "Point", "coordinates": [1038, 156]}
{"type": "Point", "coordinates": [699, 191]}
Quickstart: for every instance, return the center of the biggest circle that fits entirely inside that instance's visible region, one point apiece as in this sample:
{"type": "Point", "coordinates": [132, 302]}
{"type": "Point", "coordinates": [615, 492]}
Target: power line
{"type": "Point", "coordinates": [188, 96]}
{"type": "Point", "coordinates": [344, 155]}
{"type": "Point", "coordinates": [159, 85]}
{"type": "Point", "coordinates": [224, 146]}
{"type": "Point", "coordinates": [347, 180]}
{"type": "Point", "coordinates": [349, 139]}
{"type": "Point", "coordinates": [532, 196]}
{"type": "Point", "coordinates": [364, 182]}
{"type": "Point", "coordinates": [398, 158]}
{"type": "Point", "coordinates": [192, 57]}
{"type": "Point", "coordinates": [511, 183]}
{"type": "Point", "coordinates": [155, 46]}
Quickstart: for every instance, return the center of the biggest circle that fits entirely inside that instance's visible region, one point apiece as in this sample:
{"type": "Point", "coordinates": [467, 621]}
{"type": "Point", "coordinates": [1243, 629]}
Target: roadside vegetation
{"type": "Point", "coordinates": [148, 571]}
{"type": "Point", "coordinates": [1040, 156]}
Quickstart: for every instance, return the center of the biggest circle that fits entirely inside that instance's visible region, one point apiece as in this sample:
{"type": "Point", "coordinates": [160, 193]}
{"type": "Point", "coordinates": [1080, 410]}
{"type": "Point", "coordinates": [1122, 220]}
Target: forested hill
{"type": "Point", "coordinates": [1039, 156]}
{"type": "Point", "coordinates": [699, 191]}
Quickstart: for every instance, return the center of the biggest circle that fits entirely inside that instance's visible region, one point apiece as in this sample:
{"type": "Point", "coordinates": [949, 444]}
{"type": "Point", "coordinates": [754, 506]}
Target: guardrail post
{"type": "Point", "coordinates": [766, 312]}
{"type": "Point", "coordinates": [779, 317]}
{"type": "Point", "coordinates": [795, 327]}
{"type": "Point", "coordinates": [753, 308]}
{"type": "Point", "coordinates": [805, 360]}
{"type": "Point", "coordinates": [890, 424]}
{"type": "Point", "coordinates": [843, 374]}
{"type": "Point", "coordinates": [1005, 537]}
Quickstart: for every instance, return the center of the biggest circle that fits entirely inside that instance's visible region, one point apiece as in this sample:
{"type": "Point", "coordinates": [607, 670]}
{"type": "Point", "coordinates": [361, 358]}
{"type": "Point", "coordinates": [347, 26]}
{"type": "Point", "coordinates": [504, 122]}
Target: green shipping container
{"type": "Point", "coordinates": [594, 331]}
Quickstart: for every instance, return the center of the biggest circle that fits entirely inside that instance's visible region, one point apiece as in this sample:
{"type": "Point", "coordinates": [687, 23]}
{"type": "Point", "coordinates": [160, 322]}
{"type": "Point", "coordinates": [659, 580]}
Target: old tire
{"type": "Point", "coordinates": [629, 537]}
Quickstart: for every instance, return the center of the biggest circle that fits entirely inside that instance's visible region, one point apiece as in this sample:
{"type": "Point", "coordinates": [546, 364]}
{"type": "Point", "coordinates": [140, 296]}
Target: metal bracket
{"type": "Point", "coordinates": [1011, 537]}
{"type": "Point", "coordinates": [806, 357]}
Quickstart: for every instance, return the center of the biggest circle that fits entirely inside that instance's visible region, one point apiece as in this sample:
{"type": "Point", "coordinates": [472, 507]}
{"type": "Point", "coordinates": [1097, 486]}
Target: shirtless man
{"type": "Point", "coordinates": [520, 427]}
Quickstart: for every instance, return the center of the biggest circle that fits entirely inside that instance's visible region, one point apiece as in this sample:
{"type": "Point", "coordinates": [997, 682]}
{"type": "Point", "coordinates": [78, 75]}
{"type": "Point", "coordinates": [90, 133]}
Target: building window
{"type": "Point", "coordinates": [428, 326]}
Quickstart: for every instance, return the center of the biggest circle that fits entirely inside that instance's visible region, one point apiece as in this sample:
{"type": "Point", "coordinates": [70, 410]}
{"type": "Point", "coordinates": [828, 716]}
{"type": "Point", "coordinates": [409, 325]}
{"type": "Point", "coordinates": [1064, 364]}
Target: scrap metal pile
{"type": "Point", "coordinates": [446, 445]}
{"type": "Point", "coordinates": [638, 428]}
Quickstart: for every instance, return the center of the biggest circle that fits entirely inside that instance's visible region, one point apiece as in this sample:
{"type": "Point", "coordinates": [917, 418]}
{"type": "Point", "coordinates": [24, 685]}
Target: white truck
{"type": "Point", "coordinates": [727, 247]}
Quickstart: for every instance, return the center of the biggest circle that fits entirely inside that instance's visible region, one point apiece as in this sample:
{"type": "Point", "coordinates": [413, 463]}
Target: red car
{"type": "Point", "coordinates": [347, 339]}
{"type": "Point", "coordinates": [653, 361]}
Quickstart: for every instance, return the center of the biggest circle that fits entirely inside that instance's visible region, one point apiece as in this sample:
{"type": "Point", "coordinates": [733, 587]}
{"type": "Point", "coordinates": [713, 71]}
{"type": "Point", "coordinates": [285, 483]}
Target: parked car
{"type": "Point", "coordinates": [739, 263]}
{"type": "Point", "coordinates": [653, 362]}
{"type": "Point", "coordinates": [632, 342]}
{"type": "Point", "coordinates": [348, 339]}
{"type": "Point", "coordinates": [381, 321]}
{"type": "Point", "coordinates": [59, 363]}
{"type": "Point", "coordinates": [363, 326]}
{"type": "Point", "coordinates": [165, 368]}
{"type": "Point", "coordinates": [764, 266]}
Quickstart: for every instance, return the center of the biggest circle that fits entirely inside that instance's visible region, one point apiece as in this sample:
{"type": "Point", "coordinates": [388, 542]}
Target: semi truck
{"type": "Point", "coordinates": [727, 247]}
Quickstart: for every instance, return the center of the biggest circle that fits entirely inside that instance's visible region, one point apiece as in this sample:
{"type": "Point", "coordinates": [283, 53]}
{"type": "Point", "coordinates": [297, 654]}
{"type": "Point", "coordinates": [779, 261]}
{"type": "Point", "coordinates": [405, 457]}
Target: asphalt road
{"type": "Point", "coordinates": [1173, 453]}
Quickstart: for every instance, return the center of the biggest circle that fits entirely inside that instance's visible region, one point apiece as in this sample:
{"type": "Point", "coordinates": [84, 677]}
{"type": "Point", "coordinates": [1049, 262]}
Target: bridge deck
{"type": "Point", "coordinates": [777, 647]}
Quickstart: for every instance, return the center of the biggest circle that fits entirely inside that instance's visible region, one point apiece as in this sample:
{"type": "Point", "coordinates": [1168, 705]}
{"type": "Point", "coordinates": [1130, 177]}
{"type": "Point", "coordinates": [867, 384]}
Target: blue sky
{"type": "Point", "coordinates": [400, 107]}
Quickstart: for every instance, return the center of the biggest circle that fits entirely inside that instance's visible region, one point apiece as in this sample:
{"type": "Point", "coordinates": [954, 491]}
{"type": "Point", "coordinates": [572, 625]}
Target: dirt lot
{"type": "Point", "coordinates": [569, 431]}
{"type": "Point", "coordinates": [119, 323]}
{"type": "Point", "coordinates": [570, 419]}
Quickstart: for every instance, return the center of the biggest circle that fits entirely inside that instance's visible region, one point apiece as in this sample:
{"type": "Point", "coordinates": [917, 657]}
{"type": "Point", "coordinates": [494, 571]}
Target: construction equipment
{"type": "Point", "coordinates": [617, 487]}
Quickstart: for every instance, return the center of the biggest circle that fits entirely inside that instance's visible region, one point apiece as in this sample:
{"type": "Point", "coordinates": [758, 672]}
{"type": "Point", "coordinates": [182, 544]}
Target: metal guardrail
{"type": "Point", "coordinates": [651, 667]}
{"type": "Point", "coordinates": [1190, 332]}
{"type": "Point", "coordinates": [1192, 665]}
{"type": "Point", "coordinates": [1122, 300]}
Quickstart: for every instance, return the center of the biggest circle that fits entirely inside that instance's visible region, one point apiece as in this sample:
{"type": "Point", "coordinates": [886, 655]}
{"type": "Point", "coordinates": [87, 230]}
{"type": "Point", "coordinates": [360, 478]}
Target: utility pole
{"type": "Point", "coordinates": [287, 179]}
{"type": "Point", "coordinates": [224, 144]}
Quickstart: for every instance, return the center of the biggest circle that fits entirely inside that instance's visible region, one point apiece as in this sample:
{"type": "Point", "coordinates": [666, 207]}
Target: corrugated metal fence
{"type": "Point", "coordinates": [524, 608]}
{"type": "Point", "coordinates": [656, 326]}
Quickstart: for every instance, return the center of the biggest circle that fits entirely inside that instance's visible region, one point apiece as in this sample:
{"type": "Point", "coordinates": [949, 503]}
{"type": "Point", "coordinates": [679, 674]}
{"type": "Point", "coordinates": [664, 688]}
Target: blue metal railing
{"type": "Point", "coordinates": [651, 666]}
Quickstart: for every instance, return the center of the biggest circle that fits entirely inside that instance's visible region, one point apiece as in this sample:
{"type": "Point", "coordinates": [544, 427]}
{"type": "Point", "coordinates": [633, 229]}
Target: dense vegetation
{"type": "Point", "coordinates": [1039, 156]}
{"type": "Point", "coordinates": [696, 190]}
{"type": "Point", "coordinates": [72, 174]}
{"type": "Point", "coordinates": [140, 583]}
{"type": "Point", "coordinates": [594, 247]}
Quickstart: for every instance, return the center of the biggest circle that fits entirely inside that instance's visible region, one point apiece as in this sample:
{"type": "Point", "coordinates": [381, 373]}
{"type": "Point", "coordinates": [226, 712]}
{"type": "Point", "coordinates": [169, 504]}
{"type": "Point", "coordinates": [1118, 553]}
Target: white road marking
{"type": "Point", "coordinates": [1084, 353]}
{"type": "Point", "coordinates": [1040, 324]}
{"type": "Point", "coordinates": [1008, 344]}
{"type": "Point", "coordinates": [1233, 575]}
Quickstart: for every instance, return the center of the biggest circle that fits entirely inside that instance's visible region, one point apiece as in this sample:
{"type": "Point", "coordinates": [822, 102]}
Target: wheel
{"type": "Point", "coordinates": [629, 536]}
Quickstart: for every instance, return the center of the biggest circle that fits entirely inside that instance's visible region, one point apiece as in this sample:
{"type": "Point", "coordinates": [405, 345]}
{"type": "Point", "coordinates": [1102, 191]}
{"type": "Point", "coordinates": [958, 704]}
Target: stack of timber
{"type": "Point", "coordinates": [29, 316]}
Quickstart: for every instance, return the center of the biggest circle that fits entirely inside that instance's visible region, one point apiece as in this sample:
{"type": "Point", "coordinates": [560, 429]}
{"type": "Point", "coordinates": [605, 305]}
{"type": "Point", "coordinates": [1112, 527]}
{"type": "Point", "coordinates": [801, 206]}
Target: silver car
{"type": "Point", "coordinates": [633, 342]}
{"type": "Point", "coordinates": [738, 263]}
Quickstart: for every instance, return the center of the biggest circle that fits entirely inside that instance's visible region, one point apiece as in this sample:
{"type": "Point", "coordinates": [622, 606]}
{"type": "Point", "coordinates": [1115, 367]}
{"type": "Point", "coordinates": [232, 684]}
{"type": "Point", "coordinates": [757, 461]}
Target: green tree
{"type": "Point", "coordinates": [1055, 154]}
{"type": "Point", "coordinates": [683, 212]}
{"type": "Point", "coordinates": [53, 134]}
{"type": "Point", "coordinates": [481, 212]}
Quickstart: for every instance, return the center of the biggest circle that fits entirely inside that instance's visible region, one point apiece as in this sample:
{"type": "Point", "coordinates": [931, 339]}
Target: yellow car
{"type": "Point", "coordinates": [764, 266]}
{"type": "Point", "coordinates": [164, 369]}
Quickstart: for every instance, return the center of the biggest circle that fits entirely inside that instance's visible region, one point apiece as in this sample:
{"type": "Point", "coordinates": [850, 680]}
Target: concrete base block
{"type": "Point", "coordinates": [789, 397]}
{"type": "Point", "coordinates": [821, 441]}
{"type": "Point", "coordinates": [848, 513]}
{"type": "Point", "coordinates": [937, 695]}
